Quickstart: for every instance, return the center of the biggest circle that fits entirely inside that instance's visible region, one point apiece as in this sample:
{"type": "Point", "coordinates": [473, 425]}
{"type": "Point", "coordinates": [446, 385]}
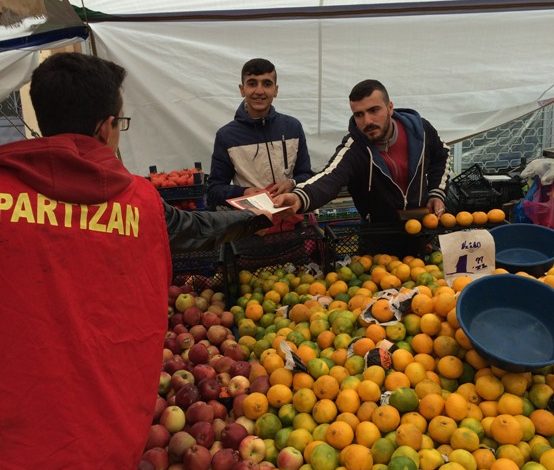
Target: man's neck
{"type": "Point", "coordinates": [390, 138]}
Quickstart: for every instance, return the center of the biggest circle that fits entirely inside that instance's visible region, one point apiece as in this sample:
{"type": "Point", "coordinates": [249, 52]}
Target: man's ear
{"type": "Point", "coordinates": [241, 88]}
{"type": "Point", "coordinates": [105, 130]}
{"type": "Point", "coordinates": [276, 91]}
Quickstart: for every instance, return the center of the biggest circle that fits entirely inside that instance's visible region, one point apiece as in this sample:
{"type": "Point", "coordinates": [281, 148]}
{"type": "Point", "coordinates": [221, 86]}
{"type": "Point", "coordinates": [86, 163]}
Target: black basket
{"type": "Point", "coordinates": [178, 193]}
{"type": "Point", "coordinates": [201, 269]}
{"type": "Point", "coordinates": [471, 191]}
{"type": "Point", "coordinates": [342, 240]}
{"type": "Point", "coordinates": [302, 246]}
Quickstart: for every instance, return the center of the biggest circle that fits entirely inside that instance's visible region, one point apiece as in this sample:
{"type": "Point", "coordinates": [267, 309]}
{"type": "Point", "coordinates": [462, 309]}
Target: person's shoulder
{"type": "Point", "coordinates": [291, 120]}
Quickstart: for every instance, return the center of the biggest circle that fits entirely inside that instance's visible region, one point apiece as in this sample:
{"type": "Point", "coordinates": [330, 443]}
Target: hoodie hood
{"type": "Point", "coordinates": [67, 167]}
{"type": "Point", "coordinates": [242, 115]}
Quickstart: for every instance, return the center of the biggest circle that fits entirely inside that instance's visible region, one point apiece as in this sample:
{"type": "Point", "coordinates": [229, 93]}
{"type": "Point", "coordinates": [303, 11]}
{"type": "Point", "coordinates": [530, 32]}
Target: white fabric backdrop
{"type": "Point", "coordinates": [464, 72]}
{"type": "Point", "coordinates": [16, 68]}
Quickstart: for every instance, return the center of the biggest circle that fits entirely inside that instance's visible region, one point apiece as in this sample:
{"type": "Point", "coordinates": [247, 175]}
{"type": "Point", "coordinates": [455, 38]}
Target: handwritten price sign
{"type": "Point", "coordinates": [467, 253]}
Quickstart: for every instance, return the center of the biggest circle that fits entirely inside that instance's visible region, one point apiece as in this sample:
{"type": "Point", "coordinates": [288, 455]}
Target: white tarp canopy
{"type": "Point", "coordinates": [464, 69]}
{"type": "Point", "coordinates": [26, 26]}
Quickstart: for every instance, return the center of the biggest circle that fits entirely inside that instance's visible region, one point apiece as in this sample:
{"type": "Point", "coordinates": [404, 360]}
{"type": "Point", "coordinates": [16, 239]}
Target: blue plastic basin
{"type": "Point", "coordinates": [510, 320]}
{"type": "Point", "coordinates": [524, 247]}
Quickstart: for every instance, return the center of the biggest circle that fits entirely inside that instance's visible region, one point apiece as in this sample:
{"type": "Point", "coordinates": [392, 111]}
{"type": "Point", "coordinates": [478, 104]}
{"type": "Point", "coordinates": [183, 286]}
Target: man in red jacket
{"type": "Point", "coordinates": [85, 267]}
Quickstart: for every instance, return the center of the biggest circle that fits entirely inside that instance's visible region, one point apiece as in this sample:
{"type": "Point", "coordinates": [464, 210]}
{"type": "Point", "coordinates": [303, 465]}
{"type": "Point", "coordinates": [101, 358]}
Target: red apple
{"type": "Point", "coordinates": [224, 459]}
{"type": "Point", "coordinates": [174, 364]}
{"type": "Point", "coordinates": [240, 368]}
{"type": "Point", "coordinates": [226, 344]}
{"type": "Point", "coordinates": [180, 378]}
{"type": "Point", "coordinates": [232, 435]}
{"type": "Point", "coordinates": [214, 359]}
{"type": "Point", "coordinates": [201, 303]}
{"type": "Point", "coordinates": [203, 433]}
{"type": "Point", "coordinates": [173, 292]}
{"type": "Point", "coordinates": [223, 364]}
{"type": "Point", "coordinates": [198, 354]}
{"type": "Point", "coordinates": [167, 354]}
{"type": "Point", "coordinates": [220, 411]}
{"type": "Point", "coordinates": [173, 418]}
{"type": "Point", "coordinates": [158, 436]}
{"type": "Point", "coordinates": [217, 334]}
{"type": "Point", "coordinates": [247, 424]}
{"type": "Point", "coordinates": [171, 343]}
{"type": "Point", "coordinates": [165, 382]}
{"type": "Point", "coordinates": [203, 372]}
{"type": "Point", "coordinates": [187, 289]}
{"type": "Point", "coordinates": [213, 351]}
{"type": "Point", "coordinates": [238, 385]}
{"type": "Point", "coordinates": [200, 411]}
{"type": "Point", "coordinates": [178, 444]}
{"type": "Point", "coordinates": [159, 406]}
{"type": "Point", "coordinates": [207, 294]}
{"type": "Point", "coordinates": [223, 378]}
{"type": "Point", "coordinates": [180, 328]}
{"type": "Point", "coordinates": [265, 465]}
{"type": "Point", "coordinates": [197, 458]}
{"type": "Point", "coordinates": [210, 319]}
{"type": "Point", "coordinates": [186, 396]}
{"type": "Point", "coordinates": [245, 465]}
{"type": "Point", "coordinates": [227, 319]}
{"type": "Point", "coordinates": [209, 388]}
{"type": "Point", "coordinates": [176, 320]}
{"type": "Point", "coordinates": [252, 448]}
{"type": "Point", "coordinates": [238, 410]}
{"type": "Point", "coordinates": [290, 458]}
{"type": "Point", "coordinates": [185, 340]}
{"type": "Point", "coordinates": [157, 457]}
{"type": "Point", "coordinates": [260, 384]}
{"type": "Point", "coordinates": [235, 351]}
{"type": "Point", "coordinates": [198, 332]}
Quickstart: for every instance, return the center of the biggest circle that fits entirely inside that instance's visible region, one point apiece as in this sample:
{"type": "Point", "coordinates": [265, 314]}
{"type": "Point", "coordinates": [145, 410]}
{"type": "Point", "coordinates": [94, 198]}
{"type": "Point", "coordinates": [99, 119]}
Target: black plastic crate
{"type": "Point", "coordinates": [179, 193]}
{"type": "Point", "coordinates": [300, 247]}
{"type": "Point", "coordinates": [201, 269]}
{"type": "Point", "coordinates": [342, 240]}
{"type": "Point", "coordinates": [471, 191]}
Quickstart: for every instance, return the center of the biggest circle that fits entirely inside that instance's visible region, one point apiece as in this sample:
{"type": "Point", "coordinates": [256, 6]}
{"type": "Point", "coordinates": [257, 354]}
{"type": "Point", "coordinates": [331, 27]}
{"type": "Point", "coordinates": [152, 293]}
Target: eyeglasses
{"type": "Point", "coordinates": [123, 123]}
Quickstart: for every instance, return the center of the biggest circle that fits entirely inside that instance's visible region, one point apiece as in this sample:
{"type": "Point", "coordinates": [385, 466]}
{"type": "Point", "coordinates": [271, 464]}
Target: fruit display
{"type": "Point", "coordinates": [460, 220]}
{"type": "Point", "coordinates": [365, 368]}
{"type": "Point", "coordinates": [184, 189]}
{"type": "Point", "coordinates": [174, 178]}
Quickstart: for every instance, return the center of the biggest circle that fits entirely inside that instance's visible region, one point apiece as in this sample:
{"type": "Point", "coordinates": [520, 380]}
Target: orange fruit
{"type": "Point", "coordinates": [396, 379]}
{"type": "Point", "coordinates": [415, 371]}
{"type": "Point", "coordinates": [412, 226]}
{"type": "Point", "coordinates": [390, 281]}
{"type": "Point", "coordinates": [279, 395]}
{"type": "Point", "coordinates": [299, 313]}
{"type": "Point", "coordinates": [339, 434]}
{"type": "Point", "coordinates": [408, 434]}
{"type": "Point", "coordinates": [301, 380]}
{"type": "Point", "coordinates": [272, 361]}
{"type": "Point", "coordinates": [489, 387]}
{"type": "Point", "coordinates": [350, 418]}
{"type": "Point", "coordinates": [464, 218]}
{"type": "Point", "coordinates": [375, 332]}
{"type": "Point", "coordinates": [484, 458]}
{"type": "Point", "coordinates": [495, 216]}
{"type": "Point", "coordinates": [450, 367]}
{"type": "Point", "coordinates": [304, 400]}
{"type": "Point", "coordinates": [367, 433]}
{"type": "Point", "coordinates": [427, 386]}
{"type": "Point", "coordinates": [324, 411]}
{"type": "Point", "coordinates": [426, 360]}
{"type": "Point", "coordinates": [443, 303]}
{"type": "Point", "coordinates": [431, 405]}
{"type": "Point", "coordinates": [386, 418]}
{"type": "Point", "coordinates": [381, 310]}
{"type": "Point", "coordinates": [254, 311]}
{"type": "Point", "coordinates": [462, 339]}
{"type": "Point", "coordinates": [422, 304]}
{"type": "Point", "coordinates": [348, 400]}
{"type": "Point", "coordinates": [505, 429]}
{"type": "Point", "coordinates": [464, 438]}
{"type": "Point", "coordinates": [356, 456]}
{"type": "Point", "coordinates": [339, 373]}
{"type": "Point", "coordinates": [362, 346]}
{"type": "Point", "coordinates": [375, 373]}
{"type": "Point", "coordinates": [447, 220]}
{"type": "Point", "coordinates": [422, 343]}
{"type": "Point", "coordinates": [473, 358]}
{"type": "Point", "coordinates": [489, 408]}
{"type": "Point", "coordinates": [467, 390]}
{"type": "Point", "coordinates": [479, 217]}
{"type": "Point", "coordinates": [456, 406]}
{"type": "Point", "coordinates": [543, 421]}
{"type": "Point", "coordinates": [326, 386]}
{"type": "Point", "coordinates": [510, 404]}
{"type": "Point", "coordinates": [338, 287]}
{"type": "Point", "coordinates": [430, 221]}
{"type": "Point", "coordinates": [504, 464]}
{"type": "Point", "coordinates": [325, 339]}
{"type": "Point", "coordinates": [255, 405]}
{"type": "Point", "coordinates": [459, 282]}
{"type": "Point", "coordinates": [281, 376]}
{"type": "Point", "coordinates": [401, 358]}
{"type": "Point", "coordinates": [369, 391]}
{"type": "Point", "coordinates": [441, 428]}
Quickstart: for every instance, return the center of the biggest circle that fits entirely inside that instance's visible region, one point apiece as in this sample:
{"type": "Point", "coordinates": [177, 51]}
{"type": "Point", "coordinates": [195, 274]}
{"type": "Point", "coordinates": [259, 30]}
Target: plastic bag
{"type": "Point", "coordinates": [541, 167]}
{"type": "Point", "coordinates": [539, 208]}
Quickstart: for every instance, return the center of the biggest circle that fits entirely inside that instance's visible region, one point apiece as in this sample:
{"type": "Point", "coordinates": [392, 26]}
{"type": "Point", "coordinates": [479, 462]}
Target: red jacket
{"type": "Point", "coordinates": [84, 271]}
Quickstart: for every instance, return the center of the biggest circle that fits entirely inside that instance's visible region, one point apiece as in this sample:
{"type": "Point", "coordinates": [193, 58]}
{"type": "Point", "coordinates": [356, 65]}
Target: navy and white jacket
{"type": "Point", "coordinates": [358, 164]}
{"type": "Point", "coordinates": [256, 153]}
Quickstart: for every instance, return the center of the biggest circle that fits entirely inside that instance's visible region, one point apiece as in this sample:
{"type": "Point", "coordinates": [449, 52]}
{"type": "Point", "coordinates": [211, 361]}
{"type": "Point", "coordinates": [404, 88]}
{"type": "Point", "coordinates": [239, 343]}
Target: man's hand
{"type": "Point", "coordinates": [436, 206]}
{"type": "Point", "coordinates": [282, 187]}
{"type": "Point", "coordinates": [287, 199]}
{"type": "Point", "coordinates": [252, 191]}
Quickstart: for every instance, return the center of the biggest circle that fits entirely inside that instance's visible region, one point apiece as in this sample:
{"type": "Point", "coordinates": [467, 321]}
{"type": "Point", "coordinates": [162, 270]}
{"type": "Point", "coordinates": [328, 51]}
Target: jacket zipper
{"type": "Point", "coordinates": [270, 163]}
{"type": "Point", "coordinates": [285, 158]}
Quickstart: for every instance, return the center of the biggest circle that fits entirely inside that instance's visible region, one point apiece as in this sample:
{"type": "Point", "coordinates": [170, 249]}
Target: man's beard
{"type": "Point", "coordinates": [382, 136]}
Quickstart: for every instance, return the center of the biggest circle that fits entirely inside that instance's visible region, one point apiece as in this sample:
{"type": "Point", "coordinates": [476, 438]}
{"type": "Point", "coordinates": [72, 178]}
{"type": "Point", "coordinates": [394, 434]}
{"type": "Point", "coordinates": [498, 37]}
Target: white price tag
{"type": "Point", "coordinates": [467, 253]}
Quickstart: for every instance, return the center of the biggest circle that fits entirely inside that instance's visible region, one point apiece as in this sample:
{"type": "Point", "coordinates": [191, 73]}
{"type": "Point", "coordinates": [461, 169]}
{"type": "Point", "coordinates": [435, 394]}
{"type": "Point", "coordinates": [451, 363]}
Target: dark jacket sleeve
{"type": "Point", "coordinates": [325, 185]}
{"type": "Point", "coordinates": [190, 231]}
{"type": "Point", "coordinates": [439, 154]}
{"type": "Point", "coordinates": [303, 167]}
{"type": "Point", "coordinates": [222, 172]}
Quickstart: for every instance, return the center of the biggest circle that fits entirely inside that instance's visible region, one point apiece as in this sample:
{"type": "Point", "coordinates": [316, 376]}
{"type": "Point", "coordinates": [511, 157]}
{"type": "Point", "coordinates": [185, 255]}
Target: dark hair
{"type": "Point", "coordinates": [73, 92]}
{"type": "Point", "coordinates": [257, 67]}
{"type": "Point", "coordinates": [366, 88]}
